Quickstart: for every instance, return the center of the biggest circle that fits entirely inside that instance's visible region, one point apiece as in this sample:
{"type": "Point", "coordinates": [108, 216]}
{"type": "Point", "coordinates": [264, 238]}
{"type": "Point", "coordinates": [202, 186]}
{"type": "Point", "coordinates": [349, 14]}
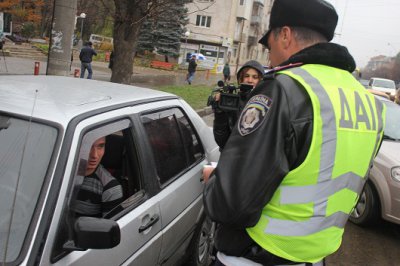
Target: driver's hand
{"type": "Point", "coordinates": [207, 170]}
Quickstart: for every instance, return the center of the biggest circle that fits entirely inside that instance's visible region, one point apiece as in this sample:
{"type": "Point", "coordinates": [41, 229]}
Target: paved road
{"type": "Point", "coordinates": [377, 245]}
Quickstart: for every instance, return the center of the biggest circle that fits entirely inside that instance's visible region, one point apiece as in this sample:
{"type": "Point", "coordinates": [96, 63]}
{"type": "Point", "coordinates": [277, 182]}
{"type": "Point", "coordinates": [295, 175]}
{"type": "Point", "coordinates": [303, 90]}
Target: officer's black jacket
{"type": "Point", "coordinates": [251, 167]}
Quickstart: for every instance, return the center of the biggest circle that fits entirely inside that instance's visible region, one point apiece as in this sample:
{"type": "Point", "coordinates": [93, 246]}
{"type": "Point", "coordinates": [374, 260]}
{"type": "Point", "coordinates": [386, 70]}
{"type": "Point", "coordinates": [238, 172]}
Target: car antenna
{"type": "Point", "coordinates": [18, 179]}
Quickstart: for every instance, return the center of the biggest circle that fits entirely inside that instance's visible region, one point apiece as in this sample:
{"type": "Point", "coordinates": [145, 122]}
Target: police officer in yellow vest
{"type": "Point", "coordinates": [295, 164]}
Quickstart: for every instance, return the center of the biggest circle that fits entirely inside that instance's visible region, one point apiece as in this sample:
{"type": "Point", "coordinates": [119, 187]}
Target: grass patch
{"type": "Point", "coordinates": [195, 95]}
{"type": "Point", "coordinates": [43, 47]}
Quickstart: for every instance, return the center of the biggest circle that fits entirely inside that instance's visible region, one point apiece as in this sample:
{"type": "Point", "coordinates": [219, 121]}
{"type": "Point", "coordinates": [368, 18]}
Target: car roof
{"type": "Point", "coordinates": [60, 99]}
{"type": "Point", "coordinates": [382, 79]}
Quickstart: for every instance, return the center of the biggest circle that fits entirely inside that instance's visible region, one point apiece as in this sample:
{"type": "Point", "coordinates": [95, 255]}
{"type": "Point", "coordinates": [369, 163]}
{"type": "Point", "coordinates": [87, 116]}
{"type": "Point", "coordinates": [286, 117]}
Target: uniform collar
{"type": "Point", "coordinates": [330, 54]}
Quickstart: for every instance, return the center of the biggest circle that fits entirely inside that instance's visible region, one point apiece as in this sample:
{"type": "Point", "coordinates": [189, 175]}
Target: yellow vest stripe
{"type": "Point", "coordinates": [313, 193]}
{"type": "Point", "coordinates": [296, 228]}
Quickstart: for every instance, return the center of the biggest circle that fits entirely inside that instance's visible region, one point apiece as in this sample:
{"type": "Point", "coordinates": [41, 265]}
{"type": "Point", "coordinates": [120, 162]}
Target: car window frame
{"type": "Point", "coordinates": [160, 185]}
{"type": "Point", "coordinates": [75, 179]}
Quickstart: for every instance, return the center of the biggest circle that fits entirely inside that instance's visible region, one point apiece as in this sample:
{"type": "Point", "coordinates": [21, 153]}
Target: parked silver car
{"type": "Point", "coordinates": [156, 146]}
{"type": "Point", "coordinates": [381, 195]}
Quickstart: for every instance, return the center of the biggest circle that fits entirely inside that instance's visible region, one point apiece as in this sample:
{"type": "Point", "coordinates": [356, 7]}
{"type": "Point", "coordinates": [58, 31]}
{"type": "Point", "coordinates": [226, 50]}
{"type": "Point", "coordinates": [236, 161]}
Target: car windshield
{"type": "Point", "coordinates": [392, 127]}
{"type": "Point", "coordinates": [383, 83]}
{"type": "Point", "coordinates": [25, 155]}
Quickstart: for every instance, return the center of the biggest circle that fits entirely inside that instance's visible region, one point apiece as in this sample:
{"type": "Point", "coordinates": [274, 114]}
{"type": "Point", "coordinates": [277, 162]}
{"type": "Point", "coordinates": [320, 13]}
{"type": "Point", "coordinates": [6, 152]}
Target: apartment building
{"type": "Point", "coordinates": [227, 31]}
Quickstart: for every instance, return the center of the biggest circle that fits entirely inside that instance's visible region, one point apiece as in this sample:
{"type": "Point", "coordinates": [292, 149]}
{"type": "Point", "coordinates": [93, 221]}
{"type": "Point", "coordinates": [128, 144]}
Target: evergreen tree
{"type": "Point", "coordinates": [162, 34]}
{"type": "Point", "coordinates": [146, 36]}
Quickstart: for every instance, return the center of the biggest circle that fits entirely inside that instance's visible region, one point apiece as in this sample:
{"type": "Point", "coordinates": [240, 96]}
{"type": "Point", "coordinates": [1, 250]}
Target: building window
{"type": "Point", "coordinates": [203, 21]}
{"type": "Point", "coordinates": [241, 2]}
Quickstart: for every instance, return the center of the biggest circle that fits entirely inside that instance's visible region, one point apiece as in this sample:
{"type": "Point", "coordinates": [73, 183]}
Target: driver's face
{"type": "Point", "coordinates": [95, 155]}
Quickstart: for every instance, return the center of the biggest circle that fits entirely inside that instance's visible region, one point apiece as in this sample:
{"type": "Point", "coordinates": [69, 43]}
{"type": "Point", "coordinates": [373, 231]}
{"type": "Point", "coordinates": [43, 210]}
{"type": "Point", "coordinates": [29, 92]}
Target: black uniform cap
{"type": "Point", "coordinates": [317, 15]}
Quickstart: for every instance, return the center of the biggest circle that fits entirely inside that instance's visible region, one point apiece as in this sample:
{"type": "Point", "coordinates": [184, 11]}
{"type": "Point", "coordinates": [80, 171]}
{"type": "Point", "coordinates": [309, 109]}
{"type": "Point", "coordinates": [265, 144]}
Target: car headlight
{"type": "Point", "coordinates": [396, 173]}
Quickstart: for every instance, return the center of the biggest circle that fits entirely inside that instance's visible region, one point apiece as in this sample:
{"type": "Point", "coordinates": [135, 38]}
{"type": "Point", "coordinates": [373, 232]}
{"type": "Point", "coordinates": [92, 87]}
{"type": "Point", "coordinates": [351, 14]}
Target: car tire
{"type": "Point", "coordinates": [367, 209]}
{"type": "Point", "coordinates": [200, 251]}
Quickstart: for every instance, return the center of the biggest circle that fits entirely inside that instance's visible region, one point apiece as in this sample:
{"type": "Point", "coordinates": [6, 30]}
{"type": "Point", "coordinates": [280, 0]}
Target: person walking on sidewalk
{"type": "Point", "coordinates": [226, 72]}
{"type": "Point", "coordinates": [191, 69]}
{"type": "Point", "coordinates": [86, 55]}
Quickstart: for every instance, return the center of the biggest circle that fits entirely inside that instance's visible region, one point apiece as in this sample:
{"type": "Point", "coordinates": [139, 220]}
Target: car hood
{"type": "Point", "coordinates": [389, 152]}
{"type": "Point", "coordinates": [387, 90]}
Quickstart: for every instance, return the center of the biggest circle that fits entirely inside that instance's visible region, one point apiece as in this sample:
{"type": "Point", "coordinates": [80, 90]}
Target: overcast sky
{"type": "Point", "coordinates": [368, 28]}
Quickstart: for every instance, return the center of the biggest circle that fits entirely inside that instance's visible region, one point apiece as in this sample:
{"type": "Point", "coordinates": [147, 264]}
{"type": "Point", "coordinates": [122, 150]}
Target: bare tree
{"type": "Point", "coordinates": [128, 18]}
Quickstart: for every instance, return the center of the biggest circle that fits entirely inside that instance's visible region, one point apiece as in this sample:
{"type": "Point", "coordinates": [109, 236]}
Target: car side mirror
{"type": "Point", "coordinates": [96, 233]}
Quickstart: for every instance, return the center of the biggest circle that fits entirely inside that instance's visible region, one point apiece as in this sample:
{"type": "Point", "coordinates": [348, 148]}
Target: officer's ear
{"type": "Point", "coordinates": [285, 37]}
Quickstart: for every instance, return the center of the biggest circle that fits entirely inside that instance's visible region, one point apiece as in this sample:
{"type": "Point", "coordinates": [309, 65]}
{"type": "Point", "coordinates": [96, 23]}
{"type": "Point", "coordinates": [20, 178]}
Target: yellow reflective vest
{"type": "Point", "coordinates": [304, 221]}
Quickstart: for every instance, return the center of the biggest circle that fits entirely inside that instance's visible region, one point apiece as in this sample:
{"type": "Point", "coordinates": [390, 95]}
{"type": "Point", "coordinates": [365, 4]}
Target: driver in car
{"type": "Point", "coordinates": [100, 192]}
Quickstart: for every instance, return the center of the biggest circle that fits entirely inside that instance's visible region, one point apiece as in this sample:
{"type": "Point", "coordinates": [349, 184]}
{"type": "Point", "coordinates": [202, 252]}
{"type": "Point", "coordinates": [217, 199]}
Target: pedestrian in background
{"type": "Point", "coordinates": [72, 60]}
{"type": "Point", "coordinates": [86, 56]}
{"type": "Point", "coordinates": [226, 72]}
{"type": "Point", "coordinates": [111, 63]}
{"type": "Point", "coordinates": [297, 159]}
{"type": "Point", "coordinates": [191, 69]}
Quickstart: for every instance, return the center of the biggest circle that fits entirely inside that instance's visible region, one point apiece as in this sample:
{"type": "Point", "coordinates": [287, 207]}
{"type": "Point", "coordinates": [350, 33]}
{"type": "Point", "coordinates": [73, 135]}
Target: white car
{"type": "Point", "coordinates": [387, 86]}
{"type": "Point", "coordinates": [381, 195]}
{"type": "Point", "coordinates": [156, 147]}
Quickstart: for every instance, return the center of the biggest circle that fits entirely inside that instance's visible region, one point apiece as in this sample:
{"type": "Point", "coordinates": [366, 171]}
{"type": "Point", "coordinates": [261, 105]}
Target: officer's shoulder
{"type": "Point", "coordinates": [271, 74]}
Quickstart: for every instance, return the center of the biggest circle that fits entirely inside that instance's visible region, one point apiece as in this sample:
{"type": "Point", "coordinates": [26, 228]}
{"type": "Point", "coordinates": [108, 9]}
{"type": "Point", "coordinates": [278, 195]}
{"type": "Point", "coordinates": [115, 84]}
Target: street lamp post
{"type": "Point", "coordinates": [82, 16]}
{"type": "Point", "coordinates": [187, 34]}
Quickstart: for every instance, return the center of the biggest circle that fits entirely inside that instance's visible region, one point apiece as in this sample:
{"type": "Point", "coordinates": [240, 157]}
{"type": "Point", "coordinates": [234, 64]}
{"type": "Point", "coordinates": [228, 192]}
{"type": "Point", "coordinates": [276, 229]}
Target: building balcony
{"type": "Point", "coordinates": [259, 2]}
{"type": "Point", "coordinates": [241, 38]}
{"type": "Point", "coordinates": [255, 20]}
{"type": "Point", "coordinates": [243, 12]}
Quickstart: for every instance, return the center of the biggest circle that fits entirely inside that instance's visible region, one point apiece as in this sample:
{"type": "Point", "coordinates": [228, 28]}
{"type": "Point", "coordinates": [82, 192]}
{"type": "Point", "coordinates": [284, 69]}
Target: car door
{"type": "Point", "coordinates": [138, 216]}
{"type": "Point", "coordinates": [178, 156]}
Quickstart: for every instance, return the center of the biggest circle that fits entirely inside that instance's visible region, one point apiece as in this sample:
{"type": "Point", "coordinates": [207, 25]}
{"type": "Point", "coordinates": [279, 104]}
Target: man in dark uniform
{"type": "Point", "coordinates": [286, 180]}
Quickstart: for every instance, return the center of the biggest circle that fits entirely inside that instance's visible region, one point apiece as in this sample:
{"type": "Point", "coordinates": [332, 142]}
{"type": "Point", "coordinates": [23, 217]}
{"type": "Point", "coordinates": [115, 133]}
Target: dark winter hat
{"type": "Point", "coordinates": [317, 15]}
{"type": "Point", "coordinates": [252, 64]}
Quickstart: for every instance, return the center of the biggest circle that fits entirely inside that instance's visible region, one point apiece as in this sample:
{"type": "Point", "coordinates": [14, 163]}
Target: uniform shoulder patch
{"type": "Point", "coordinates": [254, 114]}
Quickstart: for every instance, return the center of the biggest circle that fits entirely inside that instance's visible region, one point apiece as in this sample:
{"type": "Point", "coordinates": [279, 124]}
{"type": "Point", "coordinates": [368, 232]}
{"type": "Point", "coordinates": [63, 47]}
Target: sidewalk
{"type": "Point", "coordinates": [142, 76]}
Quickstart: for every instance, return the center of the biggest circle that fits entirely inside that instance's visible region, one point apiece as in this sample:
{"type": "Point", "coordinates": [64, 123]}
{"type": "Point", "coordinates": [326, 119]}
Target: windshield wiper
{"type": "Point", "coordinates": [389, 138]}
{"type": "Point", "coordinates": [4, 122]}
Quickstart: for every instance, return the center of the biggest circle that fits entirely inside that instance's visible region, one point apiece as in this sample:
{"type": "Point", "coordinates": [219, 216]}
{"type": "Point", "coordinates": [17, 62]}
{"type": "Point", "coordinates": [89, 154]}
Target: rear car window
{"type": "Point", "coordinates": [173, 141]}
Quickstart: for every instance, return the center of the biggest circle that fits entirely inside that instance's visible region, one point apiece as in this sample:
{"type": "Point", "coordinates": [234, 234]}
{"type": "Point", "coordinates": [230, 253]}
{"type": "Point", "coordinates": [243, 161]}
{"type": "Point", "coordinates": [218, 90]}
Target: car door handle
{"type": "Point", "coordinates": [152, 221]}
